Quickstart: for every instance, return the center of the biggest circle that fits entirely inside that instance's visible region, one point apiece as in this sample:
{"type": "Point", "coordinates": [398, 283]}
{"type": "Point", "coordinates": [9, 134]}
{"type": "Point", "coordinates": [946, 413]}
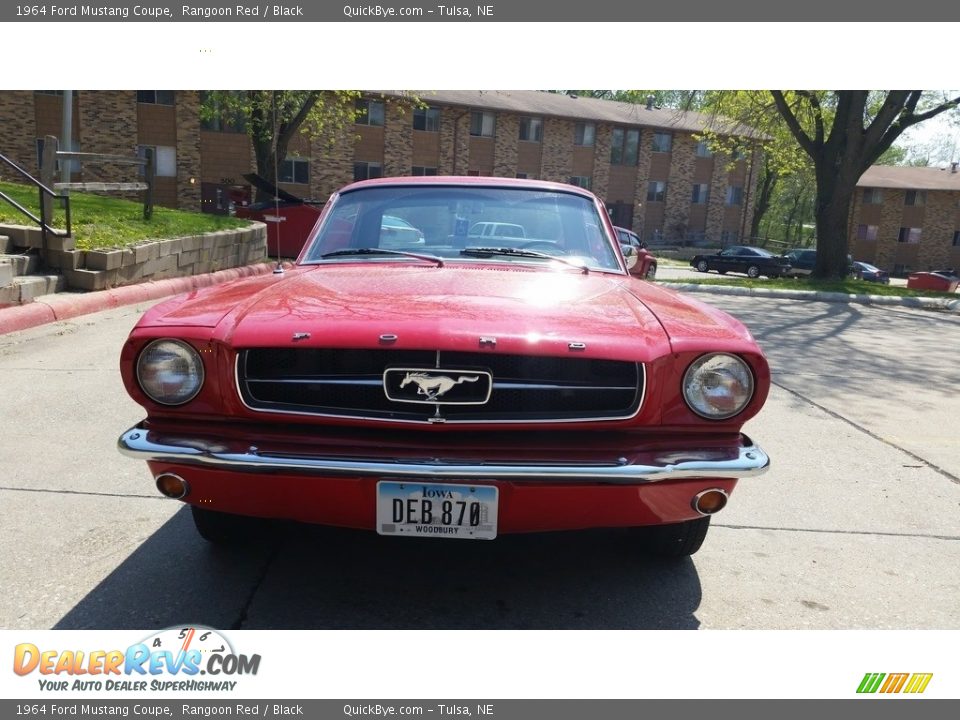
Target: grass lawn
{"type": "Point", "coordinates": [849, 287]}
{"type": "Point", "coordinates": [108, 222]}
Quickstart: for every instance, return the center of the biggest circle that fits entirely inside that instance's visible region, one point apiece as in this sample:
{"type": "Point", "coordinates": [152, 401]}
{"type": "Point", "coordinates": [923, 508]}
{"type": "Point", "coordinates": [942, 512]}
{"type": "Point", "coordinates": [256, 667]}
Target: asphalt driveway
{"type": "Point", "coordinates": [857, 520]}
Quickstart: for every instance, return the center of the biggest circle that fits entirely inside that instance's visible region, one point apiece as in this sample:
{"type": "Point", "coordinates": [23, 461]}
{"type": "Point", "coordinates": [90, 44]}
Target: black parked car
{"type": "Point", "coordinates": [753, 261]}
{"type": "Point", "coordinates": [803, 260]}
{"type": "Point", "coordinates": [866, 271]}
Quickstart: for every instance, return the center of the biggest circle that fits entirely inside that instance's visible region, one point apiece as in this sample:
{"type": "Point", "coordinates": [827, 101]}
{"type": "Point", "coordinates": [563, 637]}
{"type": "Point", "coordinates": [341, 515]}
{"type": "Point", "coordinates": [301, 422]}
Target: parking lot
{"type": "Point", "coordinates": [857, 525]}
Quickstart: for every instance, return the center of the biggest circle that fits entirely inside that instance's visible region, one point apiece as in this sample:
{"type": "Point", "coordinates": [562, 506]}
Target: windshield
{"type": "Point", "coordinates": [452, 222]}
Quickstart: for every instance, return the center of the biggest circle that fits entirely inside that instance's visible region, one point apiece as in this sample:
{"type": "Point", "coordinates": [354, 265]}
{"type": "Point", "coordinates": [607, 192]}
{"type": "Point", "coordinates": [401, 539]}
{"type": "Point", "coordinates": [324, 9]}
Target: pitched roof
{"type": "Point", "coordinates": [910, 178]}
{"type": "Point", "coordinates": [538, 102]}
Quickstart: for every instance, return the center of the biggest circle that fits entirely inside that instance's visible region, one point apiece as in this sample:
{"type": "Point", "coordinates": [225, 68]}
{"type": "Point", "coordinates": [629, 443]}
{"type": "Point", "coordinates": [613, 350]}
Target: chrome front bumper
{"type": "Point", "coordinates": [746, 460]}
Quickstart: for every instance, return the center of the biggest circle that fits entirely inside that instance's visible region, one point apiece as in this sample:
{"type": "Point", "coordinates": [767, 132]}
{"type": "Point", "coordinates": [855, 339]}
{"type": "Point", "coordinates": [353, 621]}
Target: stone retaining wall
{"type": "Point", "coordinates": [154, 260]}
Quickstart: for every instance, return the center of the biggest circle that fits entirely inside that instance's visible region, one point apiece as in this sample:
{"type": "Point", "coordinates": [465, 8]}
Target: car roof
{"type": "Point", "coordinates": [469, 181]}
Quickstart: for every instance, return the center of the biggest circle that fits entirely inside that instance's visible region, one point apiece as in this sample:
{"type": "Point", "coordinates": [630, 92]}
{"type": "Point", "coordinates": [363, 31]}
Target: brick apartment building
{"type": "Point", "coordinates": [645, 162]}
{"type": "Point", "coordinates": [907, 218]}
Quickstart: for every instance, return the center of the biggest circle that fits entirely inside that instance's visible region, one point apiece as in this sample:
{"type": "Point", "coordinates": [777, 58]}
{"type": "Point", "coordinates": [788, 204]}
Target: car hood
{"type": "Point", "coordinates": [523, 311]}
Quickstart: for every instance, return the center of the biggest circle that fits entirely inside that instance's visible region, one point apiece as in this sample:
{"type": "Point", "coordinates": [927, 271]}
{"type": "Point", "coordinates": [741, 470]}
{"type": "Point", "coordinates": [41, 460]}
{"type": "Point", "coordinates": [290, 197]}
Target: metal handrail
{"type": "Point", "coordinates": [45, 227]}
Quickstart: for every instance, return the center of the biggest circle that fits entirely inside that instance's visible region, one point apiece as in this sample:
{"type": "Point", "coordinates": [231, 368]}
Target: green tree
{"type": "Point", "coordinates": [844, 132]}
{"type": "Point", "coordinates": [273, 118]}
{"type": "Point", "coordinates": [740, 118]}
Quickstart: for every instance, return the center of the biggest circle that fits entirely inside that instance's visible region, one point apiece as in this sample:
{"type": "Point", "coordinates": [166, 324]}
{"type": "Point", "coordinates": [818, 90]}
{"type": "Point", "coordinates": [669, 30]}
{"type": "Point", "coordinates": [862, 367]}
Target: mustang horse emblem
{"type": "Point", "coordinates": [433, 386]}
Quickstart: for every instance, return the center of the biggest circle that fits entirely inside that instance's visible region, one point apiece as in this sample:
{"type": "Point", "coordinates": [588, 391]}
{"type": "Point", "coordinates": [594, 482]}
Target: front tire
{"type": "Point", "coordinates": [651, 273]}
{"type": "Point", "coordinates": [753, 272]}
{"type": "Point", "coordinates": [225, 528]}
{"type": "Point", "coordinates": [675, 540]}
{"type": "Point", "coordinates": [702, 266]}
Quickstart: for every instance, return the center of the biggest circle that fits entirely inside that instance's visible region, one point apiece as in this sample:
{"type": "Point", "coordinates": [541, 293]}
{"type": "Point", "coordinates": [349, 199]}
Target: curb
{"type": "Point", "coordinates": [922, 303]}
{"type": "Point", "coordinates": [64, 306]}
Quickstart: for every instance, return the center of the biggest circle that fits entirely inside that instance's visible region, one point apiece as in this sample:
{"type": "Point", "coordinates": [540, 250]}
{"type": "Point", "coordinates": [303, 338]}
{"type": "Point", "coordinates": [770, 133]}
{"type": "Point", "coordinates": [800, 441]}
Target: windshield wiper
{"type": "Point", "coordinates": [380, 251]}
{"type": "Point", "coordinates": [520, 252]}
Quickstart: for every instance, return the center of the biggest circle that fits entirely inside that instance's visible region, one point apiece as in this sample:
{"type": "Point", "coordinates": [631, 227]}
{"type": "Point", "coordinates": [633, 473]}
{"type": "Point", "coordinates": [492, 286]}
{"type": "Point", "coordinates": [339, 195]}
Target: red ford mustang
{"type": "Point", "coordinates": [461, 387]}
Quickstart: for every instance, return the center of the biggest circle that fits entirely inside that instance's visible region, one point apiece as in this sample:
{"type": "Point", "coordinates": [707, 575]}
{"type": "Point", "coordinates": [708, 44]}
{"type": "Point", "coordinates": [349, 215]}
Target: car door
{"type": "Point", "coordinates": [745, 258]}
{"type": "Point", "coordinates": [727, 259]}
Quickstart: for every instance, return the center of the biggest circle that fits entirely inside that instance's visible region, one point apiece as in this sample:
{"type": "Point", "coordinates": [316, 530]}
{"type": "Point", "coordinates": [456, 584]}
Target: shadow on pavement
{"type": "Point", "coordinates": [328, 578]}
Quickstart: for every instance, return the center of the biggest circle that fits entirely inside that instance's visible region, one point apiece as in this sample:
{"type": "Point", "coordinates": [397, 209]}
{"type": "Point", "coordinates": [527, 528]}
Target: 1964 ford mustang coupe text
{"type": "Point", "coordinates": [461, 387]}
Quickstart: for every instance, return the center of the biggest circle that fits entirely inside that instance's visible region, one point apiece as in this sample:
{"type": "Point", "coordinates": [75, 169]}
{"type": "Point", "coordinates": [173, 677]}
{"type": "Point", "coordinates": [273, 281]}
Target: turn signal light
{"type": "Point", "coordinates": [709, 502]}
{"type": "Point", "coordinates": [173, 486]}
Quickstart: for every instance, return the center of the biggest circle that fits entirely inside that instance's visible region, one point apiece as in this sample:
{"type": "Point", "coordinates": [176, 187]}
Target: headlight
{"type": "Point", "coordinates": [170, 372]}
{"type": "Point", "coordinates": [718, 386]}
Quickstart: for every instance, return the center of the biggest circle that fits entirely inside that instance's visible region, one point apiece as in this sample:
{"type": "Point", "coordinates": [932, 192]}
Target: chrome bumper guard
{"type": "Point", "coordinates": [748, 460]}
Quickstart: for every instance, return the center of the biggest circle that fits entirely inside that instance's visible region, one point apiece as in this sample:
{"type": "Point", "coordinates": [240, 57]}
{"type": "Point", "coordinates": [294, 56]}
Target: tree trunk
{"type": "Point", "coordinates": [765, 188]}
{"type": "Point", "coordinates": [266, 164]}
{"type": "Point", "coordinates": [835, 190]}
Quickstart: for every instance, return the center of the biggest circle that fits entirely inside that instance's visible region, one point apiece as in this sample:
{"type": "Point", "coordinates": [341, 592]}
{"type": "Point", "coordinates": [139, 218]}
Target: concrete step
{"type": "Point", "coordinates": [32, 286]}
{"type": "Point", "coordinates": [6, 244]}
{"type": "Point", "coordinates": [22, 264]}
{"type": "Point", "coordinates": [6, 272]}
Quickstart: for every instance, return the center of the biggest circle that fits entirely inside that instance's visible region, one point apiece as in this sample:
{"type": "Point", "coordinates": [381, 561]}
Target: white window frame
{"type": "Point", "coordinates": [365, 120]}
{"type": "Point", "coordinates": [164, 160]}
{"type": "Point", "coordinates": [656, 142]}
{"type": "Point", "coordinates": [484, 116]}
{"type": "Point", "coordinates": [581, 131]}
{"type": "Point", "coordinates": [294, 162]}
{"type": "Point", "coordinates": [534, 125]}
{"type": "Point", "coordinates": [657, 187]}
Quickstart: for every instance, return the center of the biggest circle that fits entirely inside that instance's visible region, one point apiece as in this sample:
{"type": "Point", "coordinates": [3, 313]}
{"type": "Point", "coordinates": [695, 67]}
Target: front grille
{"type": "Point", "coordinates": [349, 383]}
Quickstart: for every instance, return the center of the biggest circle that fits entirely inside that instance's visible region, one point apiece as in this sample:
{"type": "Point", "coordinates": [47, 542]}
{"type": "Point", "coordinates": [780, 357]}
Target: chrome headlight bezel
{"type": "Point", "coordinates": [180, 351]}
{"type": "Point", "coordinates": [717, 363]}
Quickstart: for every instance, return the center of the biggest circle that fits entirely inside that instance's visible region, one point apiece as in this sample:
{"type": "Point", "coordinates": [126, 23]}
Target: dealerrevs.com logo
{"type": "Point", "coordinates": [178, 659]}
{"type": "Point", "coordinates": [909, 683]}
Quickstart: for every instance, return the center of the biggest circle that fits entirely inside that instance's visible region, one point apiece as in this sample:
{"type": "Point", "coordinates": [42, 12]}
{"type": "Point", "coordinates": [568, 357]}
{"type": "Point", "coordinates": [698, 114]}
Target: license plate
{"type": "Point", "coordinates": [415, 509]}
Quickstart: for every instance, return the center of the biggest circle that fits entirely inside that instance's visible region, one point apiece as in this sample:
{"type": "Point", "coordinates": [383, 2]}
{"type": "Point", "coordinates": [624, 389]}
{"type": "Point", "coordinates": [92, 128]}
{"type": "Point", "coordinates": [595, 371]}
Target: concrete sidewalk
{"type": "Point", "coordinates": [65, 305]}
{"type": "Point", "coordinates": [923, 303]}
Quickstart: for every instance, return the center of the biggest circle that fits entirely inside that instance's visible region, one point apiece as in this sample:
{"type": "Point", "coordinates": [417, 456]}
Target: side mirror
{"type": "Point", "coordinates": [629, 255]}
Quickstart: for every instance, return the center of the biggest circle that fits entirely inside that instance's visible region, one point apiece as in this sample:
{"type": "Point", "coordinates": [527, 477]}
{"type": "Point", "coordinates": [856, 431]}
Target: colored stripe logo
{"type": "Point", "coordinates": [912, 683]}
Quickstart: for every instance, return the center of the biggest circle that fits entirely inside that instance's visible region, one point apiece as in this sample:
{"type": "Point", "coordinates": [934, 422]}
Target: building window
{"type": "Point", "coordinates": [367, 170]}
{"type": "Point", "coordinates": [735, 195]}
{"type": "Point", "coordinates": [738, 154]}
{"type": "Point", "coordinates": [872, 196]}
{"type": "Point", "coordinates": [473, 173]}
{"type": "Point", "coordinates": [369, 112]}
{"type": "Point", "coordinates": [656, 191]}
{"type": "Point", "coordinates": [426, 119]}
{"type": "Point", "coordinates": [521, 176]}
{"type": "Point", "coordinates": [956, 238]}
{"type": "Point", "coordinates": [917, 198]}
{"type": "Point", "coordinates": [867, 232]}
{"type": "Point", "coordinates": [701, 194]}
{"type": "Point", "coordinates": [662, 142]}
{"type": "Point", "coordinates": [728, 237]}
{"type": "Point", "coordinates": [421, 170]}
{"type": "Point", "coordinates": [155, 97]}
{"type": "Point", "coordinates": [295, 170]}
{"type": "Point", "coordinates": [582, 181]}
{"type": "Point", "coordinates": [584, 134]}
{"type": "Point", "coordinates": [703, 149]}
{"type": "Point", "coordinates": [624, 146]}
{"type": "Point", "coordinates": [164, 160]}
{"type": "Point", "coordinates": [482, 124]}
{"type": "Point", "coordinates": [531, 129]}
{"type": "Point", "coordinates": [909, 235]}
{"type": "Point", "coordinates": [57, 93]}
